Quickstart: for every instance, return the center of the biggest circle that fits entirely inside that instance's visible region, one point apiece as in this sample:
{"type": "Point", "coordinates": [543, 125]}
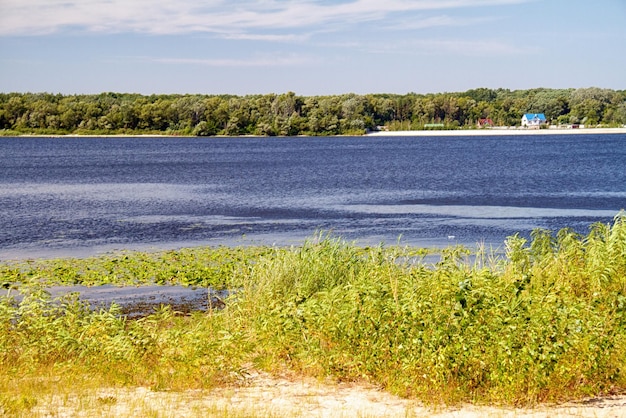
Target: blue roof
{"type": "Point", "coordinates": [531, 116]}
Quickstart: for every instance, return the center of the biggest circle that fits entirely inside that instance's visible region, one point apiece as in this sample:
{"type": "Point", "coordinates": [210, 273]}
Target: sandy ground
{"type": "Point", "coordinates": [497, 131]}
{"type": "Point", "coordinates": [265, 396]}
{"type": "Point", "coordinates": [503, 132]}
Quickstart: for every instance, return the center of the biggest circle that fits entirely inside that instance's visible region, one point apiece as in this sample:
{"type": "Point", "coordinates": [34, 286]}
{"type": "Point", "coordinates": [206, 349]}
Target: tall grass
{"type": "Point", "coordinates": [547, 322]}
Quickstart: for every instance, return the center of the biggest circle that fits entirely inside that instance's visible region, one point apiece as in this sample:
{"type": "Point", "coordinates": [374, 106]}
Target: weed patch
{"type": "Point", "coordinates": [547, 322]}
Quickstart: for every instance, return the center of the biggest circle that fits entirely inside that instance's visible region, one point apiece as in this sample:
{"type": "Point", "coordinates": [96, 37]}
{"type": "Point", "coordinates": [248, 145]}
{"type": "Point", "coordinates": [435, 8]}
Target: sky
{"type": "Point", "coordinates": [310, 47]}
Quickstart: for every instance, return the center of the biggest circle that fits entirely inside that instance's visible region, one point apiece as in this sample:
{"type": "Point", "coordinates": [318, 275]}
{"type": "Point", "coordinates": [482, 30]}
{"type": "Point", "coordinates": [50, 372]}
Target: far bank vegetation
{"type": "Point", "coordinates": [289, 114]}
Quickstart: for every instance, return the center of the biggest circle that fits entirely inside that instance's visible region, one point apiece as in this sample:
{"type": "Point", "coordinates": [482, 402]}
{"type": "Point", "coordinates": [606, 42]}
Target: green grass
{"type": "Point", "coordinates": [547, 322]}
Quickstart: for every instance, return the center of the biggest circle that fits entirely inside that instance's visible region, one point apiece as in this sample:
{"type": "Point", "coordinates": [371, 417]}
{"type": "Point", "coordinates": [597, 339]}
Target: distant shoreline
{"type": "Point", "coordinates": [452, 132]}
{"type": "Point", "coordinates": [501, 132]}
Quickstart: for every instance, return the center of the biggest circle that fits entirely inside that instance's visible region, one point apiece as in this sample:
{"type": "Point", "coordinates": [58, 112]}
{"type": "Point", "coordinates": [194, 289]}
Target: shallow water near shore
{"type": "Point", "coordinates": [139, 301]}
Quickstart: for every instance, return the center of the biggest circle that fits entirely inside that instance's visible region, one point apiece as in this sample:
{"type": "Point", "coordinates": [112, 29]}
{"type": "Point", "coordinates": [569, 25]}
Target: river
{"type": "Point", "coordinates": [79, 196]}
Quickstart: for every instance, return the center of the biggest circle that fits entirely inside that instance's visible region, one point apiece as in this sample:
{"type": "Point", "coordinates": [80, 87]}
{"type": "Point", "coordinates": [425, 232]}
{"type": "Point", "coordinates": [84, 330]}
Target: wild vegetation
{"type": "Point", "coordinates": [546, 321]}
{"type": "Point", "coordinates": [289, 114]}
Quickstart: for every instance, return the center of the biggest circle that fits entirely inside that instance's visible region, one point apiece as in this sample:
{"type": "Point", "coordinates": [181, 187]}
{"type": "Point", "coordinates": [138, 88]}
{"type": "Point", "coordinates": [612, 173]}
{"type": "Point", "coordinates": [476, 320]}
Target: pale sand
{"type": "Point", "coordinates": [503, 132]}
{"type": "Point", "coordinates": [457, 132]}
{"type": "Point", "coordinates": [264, 396]}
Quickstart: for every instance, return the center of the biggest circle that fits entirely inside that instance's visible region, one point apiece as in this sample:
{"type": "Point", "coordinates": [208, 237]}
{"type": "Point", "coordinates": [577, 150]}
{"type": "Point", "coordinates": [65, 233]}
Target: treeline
{"type": "Point", "coordinates": [290, 114]}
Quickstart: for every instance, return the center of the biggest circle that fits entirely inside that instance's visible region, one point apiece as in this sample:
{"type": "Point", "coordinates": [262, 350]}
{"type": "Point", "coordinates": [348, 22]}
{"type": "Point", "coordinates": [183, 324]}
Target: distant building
{"type": "Point", "coordinates": [485, 123]}
{"type": "Point", "coordinates": [534, 120]}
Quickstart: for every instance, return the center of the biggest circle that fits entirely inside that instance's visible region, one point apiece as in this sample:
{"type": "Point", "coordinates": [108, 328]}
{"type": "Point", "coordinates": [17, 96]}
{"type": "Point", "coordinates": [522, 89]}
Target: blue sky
{"type": "Point", "coordinates": [309, 47]}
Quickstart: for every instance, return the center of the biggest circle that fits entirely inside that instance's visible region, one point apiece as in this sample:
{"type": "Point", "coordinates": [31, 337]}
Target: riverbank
{"type": "Point", "coordinates": [502, 132]}
{"type": "Point", "coordinates": [452, 132]}
{"type": "Point", "coordinates": [317, 330]}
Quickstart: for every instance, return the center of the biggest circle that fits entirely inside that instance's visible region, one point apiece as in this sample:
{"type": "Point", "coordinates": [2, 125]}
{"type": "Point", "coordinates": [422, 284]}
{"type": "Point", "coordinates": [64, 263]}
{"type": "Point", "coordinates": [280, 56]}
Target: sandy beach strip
{"type": "Point", "coordinates": [502, 132]}
{"type": "Point", "coordinates": [453, 132]}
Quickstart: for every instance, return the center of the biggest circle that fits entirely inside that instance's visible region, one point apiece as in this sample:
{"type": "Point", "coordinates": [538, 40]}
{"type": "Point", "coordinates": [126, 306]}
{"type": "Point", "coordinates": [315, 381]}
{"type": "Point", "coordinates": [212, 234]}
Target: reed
{"type": "Point", "coordinates": [546, 322]}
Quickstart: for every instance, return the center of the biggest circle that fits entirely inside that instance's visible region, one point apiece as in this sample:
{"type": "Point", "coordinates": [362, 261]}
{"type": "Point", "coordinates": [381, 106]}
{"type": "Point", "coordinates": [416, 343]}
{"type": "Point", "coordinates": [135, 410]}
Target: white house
{"type": "Point", "coordinates": [534, 120]}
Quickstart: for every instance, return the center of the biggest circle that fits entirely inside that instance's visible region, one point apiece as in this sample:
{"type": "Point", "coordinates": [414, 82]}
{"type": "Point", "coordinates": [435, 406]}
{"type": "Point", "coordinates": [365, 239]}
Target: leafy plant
{"type": "Point", "coordinates": [544, 322]}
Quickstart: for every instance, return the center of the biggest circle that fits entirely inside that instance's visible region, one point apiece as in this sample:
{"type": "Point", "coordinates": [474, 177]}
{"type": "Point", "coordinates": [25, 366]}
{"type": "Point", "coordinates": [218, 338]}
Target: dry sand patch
{"type": "Point", "coordinates": [265, 396]}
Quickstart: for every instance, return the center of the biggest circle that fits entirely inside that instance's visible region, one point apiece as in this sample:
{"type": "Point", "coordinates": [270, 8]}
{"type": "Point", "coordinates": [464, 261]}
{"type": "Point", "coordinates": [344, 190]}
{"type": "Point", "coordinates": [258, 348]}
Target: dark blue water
{"type": "Point", "coordinates": [76, 196]}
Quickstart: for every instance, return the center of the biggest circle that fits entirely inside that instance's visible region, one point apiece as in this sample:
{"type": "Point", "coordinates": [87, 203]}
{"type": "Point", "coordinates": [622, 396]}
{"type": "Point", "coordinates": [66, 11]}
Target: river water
{"type": "Point", "coordinates": [78, 196]}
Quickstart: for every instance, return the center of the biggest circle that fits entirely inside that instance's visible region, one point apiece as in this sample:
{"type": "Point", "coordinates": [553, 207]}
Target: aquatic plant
{"type": "Point", "coordinates": [202, 266]}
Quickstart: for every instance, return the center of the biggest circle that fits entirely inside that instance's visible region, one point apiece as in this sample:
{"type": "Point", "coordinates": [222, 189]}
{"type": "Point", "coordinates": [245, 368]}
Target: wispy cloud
{"type": "Point", "coordinates": [437, 21]}
{"type": "Point", "coordinates": [278, 60]}
{"type": "Point", "coordinates": [227, 18]}
{"type": "Point", "coordinates": [472, 47]}
{"type": "Point", "coordinates": [290, 37]}
{"type": "Point", "coordinates": [458, 47]}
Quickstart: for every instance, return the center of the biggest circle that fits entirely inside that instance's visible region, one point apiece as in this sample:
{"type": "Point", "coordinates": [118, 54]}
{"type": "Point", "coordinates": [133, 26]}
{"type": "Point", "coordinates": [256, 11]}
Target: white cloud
{"type": "Point", "coordinates": [437, 21]}
{"type": "Point", "coordinates": [37, 17]}
{"type": "Point", "coordinates": [279, 60]}
{"type": "Point", "coordinates": [265, 37]}
{"type": "Point", "coordinates": [473, 47]}
{"type": "Point", "coordinates": [482, 48]}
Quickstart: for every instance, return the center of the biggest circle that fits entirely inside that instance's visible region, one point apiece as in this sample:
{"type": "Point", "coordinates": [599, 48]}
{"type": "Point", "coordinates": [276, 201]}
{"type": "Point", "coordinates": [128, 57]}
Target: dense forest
{"type": "Point", "coordinates": [290, 114]}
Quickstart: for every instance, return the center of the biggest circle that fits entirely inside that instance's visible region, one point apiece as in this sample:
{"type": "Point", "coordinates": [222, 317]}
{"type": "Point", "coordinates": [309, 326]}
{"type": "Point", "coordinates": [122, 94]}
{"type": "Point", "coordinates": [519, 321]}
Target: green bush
{"type": "Point", "coordinates": [548, 323]}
